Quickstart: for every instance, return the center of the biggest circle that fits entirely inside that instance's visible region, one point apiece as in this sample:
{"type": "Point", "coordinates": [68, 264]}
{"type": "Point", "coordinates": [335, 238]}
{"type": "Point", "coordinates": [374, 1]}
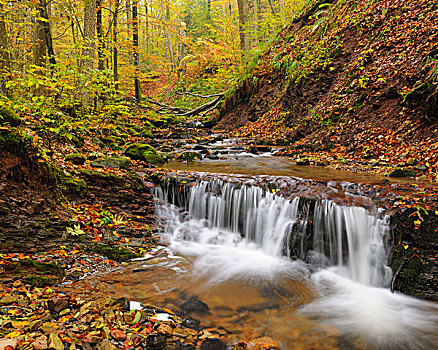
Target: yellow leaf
{"type": "Point", "coordinates": [13, 334]}
{"type": "Point", "coordinates": [417, 222]}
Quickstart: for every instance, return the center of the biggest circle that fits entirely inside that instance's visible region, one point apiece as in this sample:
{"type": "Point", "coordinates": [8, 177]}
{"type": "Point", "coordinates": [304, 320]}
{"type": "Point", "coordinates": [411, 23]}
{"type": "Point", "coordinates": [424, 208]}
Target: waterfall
{"type": "Point", "coordinates": [321, 233]}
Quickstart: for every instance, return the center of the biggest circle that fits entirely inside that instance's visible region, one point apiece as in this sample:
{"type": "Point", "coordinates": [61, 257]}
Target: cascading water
{"type": "Point", "coordinates": [245, 232]}
{"type": "Point", "coordinates": [350, 238]}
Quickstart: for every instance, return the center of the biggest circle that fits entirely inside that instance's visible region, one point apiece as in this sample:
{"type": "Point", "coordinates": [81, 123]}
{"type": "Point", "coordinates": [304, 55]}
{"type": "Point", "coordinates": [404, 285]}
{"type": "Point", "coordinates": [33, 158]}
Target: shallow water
{"type": "Point", "coordinates": [237, 249]}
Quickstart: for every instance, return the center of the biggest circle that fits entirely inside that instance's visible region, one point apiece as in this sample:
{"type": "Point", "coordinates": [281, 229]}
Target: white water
{"type": "Point", "coordinates": [248, 234]}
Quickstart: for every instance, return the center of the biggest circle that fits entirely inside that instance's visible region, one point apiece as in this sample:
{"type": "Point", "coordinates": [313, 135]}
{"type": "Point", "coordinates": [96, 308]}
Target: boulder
{"type": "Point", "coordinates": [303, 161]}
{"type": "Point", "coordinates": [144, 152]}
{"type": "Point", "coordinates": [403, 173]}
{"type": "Point", "coordinates": [75, 158]}
{"type": "Point", "coordinates": [189, 155]}
{"type": "Point", "coordinates": [8, 116]}
{"type": "Point", "coordinates": [40, 343]}
{"type": "Point", "coordinates": [213, 344]}
{"type": "Point", "coordinates": [114, 162]}
{"type": "Point", "coordinates": [195, 306]}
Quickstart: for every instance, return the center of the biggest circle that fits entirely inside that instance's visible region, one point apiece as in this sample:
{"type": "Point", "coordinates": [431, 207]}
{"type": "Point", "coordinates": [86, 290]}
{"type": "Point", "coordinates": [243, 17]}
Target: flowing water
{"type": "Point", "coordinates": [322, 266]}
{"type": "Point", "coordinates": [311, 274]}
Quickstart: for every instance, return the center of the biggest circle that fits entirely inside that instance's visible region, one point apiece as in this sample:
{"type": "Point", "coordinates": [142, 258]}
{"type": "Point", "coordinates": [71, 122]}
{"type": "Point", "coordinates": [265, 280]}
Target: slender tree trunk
{"type": "Point", "coordinates": [89, 32]}
{"type": "Point", "coordinates": [48, 35]}
{"type": "Point", "coordinates": [146, 7]}
{"type": "Point", "coordinates": [136, 49]}
{"type": "Point", "coordinates": [39, 47]}
{"type": "Point", "coordinates": [4, 50]}
{"type": "Point", "coordinates": [243, 22]}
{"type": "Point", "coordinates": [115, 49]}
{"type": "Point", "coordinates": [88, 51]}
{"type": "Point", "coordinates": [100, 43]}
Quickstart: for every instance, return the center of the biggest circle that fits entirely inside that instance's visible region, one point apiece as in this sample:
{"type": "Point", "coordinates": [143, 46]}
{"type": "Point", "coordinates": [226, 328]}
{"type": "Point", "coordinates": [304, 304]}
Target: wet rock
{"type": "Point", "coordinates": [55, 342]}
{"type": "Point", "coordinates": [57, 304]}
{"type": "Point", "coordinates": [189, 155]}
{"type": "Point", "coordinates": [165, 329]}
{"type": "Point", "coordinates": [113, 162]}
{"type": "Point", "coordinates": [191, 323]}
{"type": "Point", "coordinates": [40, 343]}
{"type": "Point", "coordinates": [155, 342]}
{"type": "Point", "coordinates": [303, 161]}
{"type": "Point", "coordinates": [195, 306]}
{"type": "Point", "coordinates": [105, 345]}
{"type": "Point", "coordinates": [263, 343]}
{"type": "Point", "coordinates": [144, 152]}
{"type": "Point", "coordinates": [124, 303]}
{"type": "Point", "coordinates": [118, 334]}
{"type": "Point", "coordinates": [258, 307]}
{"type": "Point", "coordinates": [213, 344]}
{"type": "Point", "coordinates": [403, 173]}
{"type": "Point", "coordinates": [75, 158]}
{"type": "Point", "coordinates": [4, 343]}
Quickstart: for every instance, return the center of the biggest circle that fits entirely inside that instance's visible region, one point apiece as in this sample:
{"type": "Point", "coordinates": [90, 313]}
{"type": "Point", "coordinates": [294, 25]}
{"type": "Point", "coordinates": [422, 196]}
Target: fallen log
{"type": "Point", "coordinates": [184, 112]}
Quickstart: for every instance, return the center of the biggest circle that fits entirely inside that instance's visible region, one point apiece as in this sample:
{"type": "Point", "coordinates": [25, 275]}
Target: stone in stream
{"type": "Point", "coordinates": [124, 303]}
{"type": "Point", "coordinates": [56, 304]}
{"type": "Point", "coordinates": [195, 306]}
{"type": "Point", "coordinates": [191, 323]}
{"type": "Point", "coordinates": [403, 173]}
{"type": "Point", "coordinates": [189, 155]}
{"type": "Point", "coordinates": [155, 342]}
{"type": "Point", "coordinates": [213, 344]}
{"type": "Point", "coordinates": [303, 161]}
{"type": "Point", "coordinates": [263, 343]}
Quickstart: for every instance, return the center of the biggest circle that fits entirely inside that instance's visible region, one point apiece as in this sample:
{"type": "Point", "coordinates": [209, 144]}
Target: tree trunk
{"type": "Point", "coordinates": [136, 50]}
{"type": "Point", "coordinates": [100, 43]}
{"type": "Point", "coordinates": [39, 47]}
{"type": "Point", "coordinates": [243, 9]}
{"type": "Point", "coordinates": [47, 33]}
{"type": "Point", "coordinates": [89, 32]}
{"type": "Point", "coordinates": [88, 51]}
{"type": "Point", "coordinates": [115, 49]}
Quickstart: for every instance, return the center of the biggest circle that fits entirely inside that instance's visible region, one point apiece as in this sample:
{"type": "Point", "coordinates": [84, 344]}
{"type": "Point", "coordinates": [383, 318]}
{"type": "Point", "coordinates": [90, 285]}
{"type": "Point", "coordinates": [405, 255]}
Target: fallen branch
{"type": "Point", "coordinates": [397, 273]}
{"type": "Point", "coordinates": [197, 95]}
{"type": "Point", "coordinates": [184, 112]}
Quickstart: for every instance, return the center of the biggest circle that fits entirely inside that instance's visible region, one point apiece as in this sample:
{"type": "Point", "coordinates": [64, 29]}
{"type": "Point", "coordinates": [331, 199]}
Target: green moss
{"type": "Point", "coordinates": [145, 152]}
{"type": "Point", "coordinates": [147, 133]}
{"type": "Point", "coordinates": [13, 142]}
{"type": "Point", "coordinates": [8, 116]}
{"type": "Point", "coordinates": [118, 254]}
{"type": "Point", "coordinates": [69, 183]}
{"type": "Point", "coordinates": [39, 274]}
{"type": "Point", "coordinates": [112, 162]}
{"type": "Point", "coordinates": [409, 273]}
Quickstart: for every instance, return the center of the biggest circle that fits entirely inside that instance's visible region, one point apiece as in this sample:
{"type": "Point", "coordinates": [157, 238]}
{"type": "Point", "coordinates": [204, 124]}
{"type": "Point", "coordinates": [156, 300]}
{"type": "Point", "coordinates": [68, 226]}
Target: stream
{"type": "Point", "coordinates": [309, 273]}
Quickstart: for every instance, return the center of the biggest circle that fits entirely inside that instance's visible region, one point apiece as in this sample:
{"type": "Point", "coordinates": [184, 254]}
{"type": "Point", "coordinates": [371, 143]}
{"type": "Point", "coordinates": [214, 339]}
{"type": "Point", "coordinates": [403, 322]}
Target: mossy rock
{"type": "Point", "coordinates": [189, 155]}
{"type": "Point", "coordinates": [114, 162]}
{"type": "Point", "coordinates": [165, 149]}
{"type": "Point", "coordinates": [147, 133]}
{"type": "Point", "coordinates": [70, 184]}
{"type": "Point", "coordinates": [303, 161]}
{"type": "Point", "coordinates": [144, 152]}
{"type": "Point", "coordinates": [38, 274]}
{"type": "Point", "coordinates": [76, 158]}
{"type": "Point", "coordinates": [403, 173]}
{"type": "Point", "coordinates": [8, 116]}
{"type": "Point", "coordinates": [13, 142]}
{"type": "Point", "coordinates": [118, 254]}
{"type": "Point", "coordinates": [209, 123]}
